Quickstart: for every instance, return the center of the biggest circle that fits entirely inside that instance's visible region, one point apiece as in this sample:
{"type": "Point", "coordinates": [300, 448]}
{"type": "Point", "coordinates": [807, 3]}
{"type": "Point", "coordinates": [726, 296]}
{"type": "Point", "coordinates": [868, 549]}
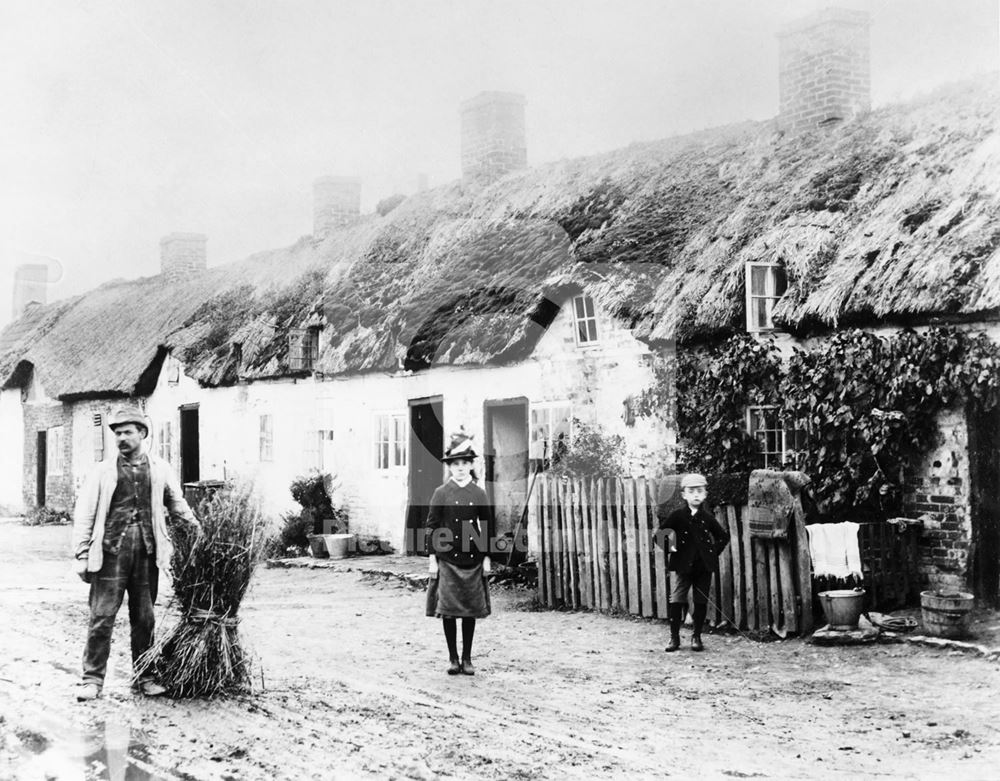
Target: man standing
{"type": "Point", "coordinates": [121, 541]}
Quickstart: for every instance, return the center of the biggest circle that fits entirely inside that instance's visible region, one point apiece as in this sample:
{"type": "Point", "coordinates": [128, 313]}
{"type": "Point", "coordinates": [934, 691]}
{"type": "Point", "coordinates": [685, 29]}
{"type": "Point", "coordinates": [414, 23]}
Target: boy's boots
{"type": "Point", "coordinates": [675, 612]}
{"type": "Point", "coordinates": [700, 611]}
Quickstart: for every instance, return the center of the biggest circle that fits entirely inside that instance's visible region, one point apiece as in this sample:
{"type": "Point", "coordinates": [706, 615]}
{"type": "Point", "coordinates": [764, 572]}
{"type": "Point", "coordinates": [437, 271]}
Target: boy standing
{"type": "Point", "coordinates": [700, 540]}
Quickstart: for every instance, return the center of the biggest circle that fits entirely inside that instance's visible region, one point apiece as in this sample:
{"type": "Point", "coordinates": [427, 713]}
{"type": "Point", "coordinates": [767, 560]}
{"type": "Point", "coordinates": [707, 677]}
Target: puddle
{"type": "Point", "coordinates": [110, 750]}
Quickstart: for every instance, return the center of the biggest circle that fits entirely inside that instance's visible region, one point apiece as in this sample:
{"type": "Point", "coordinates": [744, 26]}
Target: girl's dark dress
{"type": "Point", "coordinates": [459, 528]}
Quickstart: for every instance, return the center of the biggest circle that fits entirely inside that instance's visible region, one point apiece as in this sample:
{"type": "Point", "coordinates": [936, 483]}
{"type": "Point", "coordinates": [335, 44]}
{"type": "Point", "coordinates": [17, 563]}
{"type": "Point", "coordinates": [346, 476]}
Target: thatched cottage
{"type": "Point", "coordinates": [518, 299]}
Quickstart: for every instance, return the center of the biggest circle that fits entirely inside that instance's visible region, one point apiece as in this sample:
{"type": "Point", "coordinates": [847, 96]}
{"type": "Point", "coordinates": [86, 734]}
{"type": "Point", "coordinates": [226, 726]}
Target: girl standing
{"type": "Point", "coordinates": [459, 531]}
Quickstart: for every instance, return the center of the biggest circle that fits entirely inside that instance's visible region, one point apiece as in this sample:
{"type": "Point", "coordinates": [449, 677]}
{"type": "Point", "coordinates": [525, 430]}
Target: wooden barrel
{"type": "Point", "coordinates": [946, 615]}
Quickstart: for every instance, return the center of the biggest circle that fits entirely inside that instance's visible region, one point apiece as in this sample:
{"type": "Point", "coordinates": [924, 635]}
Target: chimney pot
{"type": "Point", "coordinates": [824, 68]}
{"type": "Point", "coordinates": [493, 136]}
{"type": "Point", "coordinates": [30, 287]}
{"type": "Point", "coordinates": [336, 203]}
{"type": "Point", "coordinates": [182, 255]}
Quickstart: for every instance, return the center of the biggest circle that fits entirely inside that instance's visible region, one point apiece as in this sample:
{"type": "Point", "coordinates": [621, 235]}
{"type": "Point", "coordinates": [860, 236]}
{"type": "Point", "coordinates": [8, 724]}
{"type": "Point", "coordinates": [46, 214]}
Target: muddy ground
{"type": "Point", "coordinates": [354, 686]}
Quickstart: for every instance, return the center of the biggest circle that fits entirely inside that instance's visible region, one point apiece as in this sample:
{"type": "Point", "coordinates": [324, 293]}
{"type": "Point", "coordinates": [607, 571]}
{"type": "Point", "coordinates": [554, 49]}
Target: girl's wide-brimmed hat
{"type": "Point", "coordinates": [460, 448]}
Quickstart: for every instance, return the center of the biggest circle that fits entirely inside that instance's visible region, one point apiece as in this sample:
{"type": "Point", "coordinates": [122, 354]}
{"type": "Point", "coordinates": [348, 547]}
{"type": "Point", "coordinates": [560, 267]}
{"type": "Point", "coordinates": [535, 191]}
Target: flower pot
{"type": "Point", "coordinates": [842, 608]}
{"type": "Point", "coordinates": [946, 615]}
{"type": "Point", "coordinates": [317, 546]}
{"type": "Point", "coordinates": [338, 546]}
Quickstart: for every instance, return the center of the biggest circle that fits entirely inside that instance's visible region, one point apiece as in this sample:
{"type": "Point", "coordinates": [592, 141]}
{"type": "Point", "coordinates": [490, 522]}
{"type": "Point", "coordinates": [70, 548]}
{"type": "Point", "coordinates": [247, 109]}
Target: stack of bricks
{"type": "Point", "coordinates": [493, 136]}
{"type": "Point", "coordinates": [182, 255]}
{"type": "Point", "coordinates": [937, 492]}
{"type": "Point", "coordinates": [825, 70]}
{"type": "Point", "coordinates": [336, 203]}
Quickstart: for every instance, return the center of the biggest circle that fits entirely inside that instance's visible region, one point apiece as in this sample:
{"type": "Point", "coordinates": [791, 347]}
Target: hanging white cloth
{"type": "Point", "coordinates": [834, 549]}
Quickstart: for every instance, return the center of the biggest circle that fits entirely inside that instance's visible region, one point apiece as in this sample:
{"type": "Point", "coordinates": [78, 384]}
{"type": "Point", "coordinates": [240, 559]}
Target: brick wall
{"type": "Point", "coordinates": [824, 68]}
{"type": "Point", "coordinates": [493, 136]}
{"type": "Point", "coordinates": [58, 488]}
{"type": "Point", "coordinates": [183, 254]}
{"type": "Point", "coordinates": [938, 491]}
{"type": "Point", "coordinates": [336, 203]}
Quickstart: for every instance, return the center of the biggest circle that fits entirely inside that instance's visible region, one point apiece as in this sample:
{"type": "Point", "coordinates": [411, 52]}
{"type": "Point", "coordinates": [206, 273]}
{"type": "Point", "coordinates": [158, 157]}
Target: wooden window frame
{"type": "Point", "coordinates": [789, 440]}
{"type": "Point", "coordinates": [585, 321]}
{"type": "Point", "coordinates": [775, 285]}
{"type": "Point", "coordinates": [389, 441]}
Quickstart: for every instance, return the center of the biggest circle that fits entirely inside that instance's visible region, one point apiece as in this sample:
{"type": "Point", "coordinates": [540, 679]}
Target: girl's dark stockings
{"type": "Point", "coordinates": [451, 637]}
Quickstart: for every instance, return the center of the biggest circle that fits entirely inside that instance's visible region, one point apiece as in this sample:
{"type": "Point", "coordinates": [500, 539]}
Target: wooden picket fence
{"type": "Point", "coordinates": [598, 547]}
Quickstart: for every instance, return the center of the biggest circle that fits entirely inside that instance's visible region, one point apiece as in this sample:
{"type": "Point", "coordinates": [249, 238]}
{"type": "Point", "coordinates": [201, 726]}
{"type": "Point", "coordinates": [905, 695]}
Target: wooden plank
{"type": "Point", "coordinates": [736, 555]}
{"type": "Point", "coordinates": [587, 546]}
{"type": "Point", "coordinates": [571, 546]}
{"type": "Point", "coordinates": [760, 582]}
{"type": "Point", "coordinates": [645, 562]}
{"type": "Point", "coordinates": [789, 587]}
{"type": "Point", "coordinates": [558, 545]}
{"type": "Point", "coordinates": [595, 546]}
{"type": "Point", "coordinates": [713, 599]}
{"type": "Point", "coordinates": [725, 573]}
{"type": "Point", "coordinates": [660, 564]}
{"type": "Point", "coordinates": [550, 560]}
{"type": "Point", "coordinates": [544, 590]}
{"type": "Point", "coordinates": [560, 492]}
{"type": "Point", "coordinates": [748, 570]}
{"type": "Point", "coordinates": [777, 625]}
{"type": "Point", "coordinates": [631, 549]}
{"type": "Point", "coordinates": [622, 550]}
{"type": "Point", "coordinates": [536, 548]}
{"type": "Point", "coordinates": [583, 545]}
{"type": "Point", "coordinates": [803, 567]}
{"type": "Point", "coordinates": [612, 517]}
{"type": "Point", "coordinates": [603, 568]}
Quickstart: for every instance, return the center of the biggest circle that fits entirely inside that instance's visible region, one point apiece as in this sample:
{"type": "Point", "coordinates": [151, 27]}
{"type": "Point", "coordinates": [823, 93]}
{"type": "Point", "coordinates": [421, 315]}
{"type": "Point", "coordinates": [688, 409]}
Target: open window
{"type": "Point", "coordinates": [551, 432]}
{"type": "Point", "coordinates": [766, 283]}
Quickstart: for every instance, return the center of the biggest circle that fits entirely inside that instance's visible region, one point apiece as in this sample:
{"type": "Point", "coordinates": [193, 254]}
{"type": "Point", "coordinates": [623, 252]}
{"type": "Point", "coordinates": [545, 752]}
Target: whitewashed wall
{"type": "Point", "coordinates": [11, 452]}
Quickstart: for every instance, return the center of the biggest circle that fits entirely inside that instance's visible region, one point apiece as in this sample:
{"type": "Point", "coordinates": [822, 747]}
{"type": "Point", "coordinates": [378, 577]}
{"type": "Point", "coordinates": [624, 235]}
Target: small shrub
{"type": "Point", "coordinates": [313, 492]}
{"type": "Point", "coordinates": [46, 516]}
{"type": "Point", "coordinates": [591, 453]}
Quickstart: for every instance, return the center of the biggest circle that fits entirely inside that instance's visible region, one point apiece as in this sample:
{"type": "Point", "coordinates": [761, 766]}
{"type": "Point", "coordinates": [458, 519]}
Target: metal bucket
{"type": "Point", "coordinates": [338, 545]}
{"type": "Point", "coordinates": [946, 615]}
{"type": "Point", "coordinates": [842, 608]}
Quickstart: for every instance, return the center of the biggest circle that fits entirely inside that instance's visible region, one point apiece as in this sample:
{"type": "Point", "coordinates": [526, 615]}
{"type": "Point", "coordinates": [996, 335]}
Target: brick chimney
{"type": "Point", "coordinates": [182, 255]}
{"type": "Point", "coordinates": [31, 286]}
{"type": "Point", "coordinates": [336, 203]}
{"type": "Point", "coordinates": [493, 137]}
{"type": "Point", "coordinates": [825, 72]}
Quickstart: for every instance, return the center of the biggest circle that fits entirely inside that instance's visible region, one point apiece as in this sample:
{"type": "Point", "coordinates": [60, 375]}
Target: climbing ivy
{"type": "Point", "coordinates": [867, 404]}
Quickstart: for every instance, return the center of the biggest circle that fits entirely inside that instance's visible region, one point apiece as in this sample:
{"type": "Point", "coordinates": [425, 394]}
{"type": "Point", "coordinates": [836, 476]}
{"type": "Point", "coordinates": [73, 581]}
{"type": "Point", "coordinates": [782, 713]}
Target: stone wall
{"type": "Point", "coordinates": [937, 490]}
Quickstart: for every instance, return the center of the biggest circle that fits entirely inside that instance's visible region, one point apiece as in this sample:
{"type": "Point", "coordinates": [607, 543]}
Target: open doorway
{"type": "Point", "coordinates": [425, 470]}
{"type": "Point", "coordinates": [42, 454]}
{"type": "Point", "coordinates": [190, 446]}
{"type": "Point", "coordinates": [505, 457]}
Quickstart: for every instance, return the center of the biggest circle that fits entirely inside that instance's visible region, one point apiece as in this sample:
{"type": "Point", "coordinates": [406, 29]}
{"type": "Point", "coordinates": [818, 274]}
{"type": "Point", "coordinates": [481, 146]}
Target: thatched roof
{"type": "Point", "coordinates": [894, 216]}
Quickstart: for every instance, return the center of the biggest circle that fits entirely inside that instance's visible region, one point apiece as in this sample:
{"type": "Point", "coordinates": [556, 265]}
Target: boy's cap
{"type": "Point", "coordinates": [693, 480]}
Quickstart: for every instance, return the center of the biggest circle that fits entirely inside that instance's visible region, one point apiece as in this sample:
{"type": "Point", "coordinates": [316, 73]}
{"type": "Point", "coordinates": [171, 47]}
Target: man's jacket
{"type": "Point", "coordinates": [94, 500]}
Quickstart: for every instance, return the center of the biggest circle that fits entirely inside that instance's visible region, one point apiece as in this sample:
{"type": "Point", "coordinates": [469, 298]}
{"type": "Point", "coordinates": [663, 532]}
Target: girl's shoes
{"type": "Point", "coordinates": [467, 668]}
{"type": "Point", "coordinates": [455, 668]}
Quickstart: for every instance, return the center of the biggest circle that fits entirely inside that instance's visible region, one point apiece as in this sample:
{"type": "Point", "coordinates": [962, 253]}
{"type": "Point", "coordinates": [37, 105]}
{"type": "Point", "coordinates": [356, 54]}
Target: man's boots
{"type": "Point", "coordinates": [700, 611]}
{"type": "Point", "coordinates": [675, 612]}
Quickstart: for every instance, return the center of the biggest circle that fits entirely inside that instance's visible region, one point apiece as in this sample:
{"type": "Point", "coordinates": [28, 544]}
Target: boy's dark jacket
{"type": "Point", "coordinates": [700, 538]}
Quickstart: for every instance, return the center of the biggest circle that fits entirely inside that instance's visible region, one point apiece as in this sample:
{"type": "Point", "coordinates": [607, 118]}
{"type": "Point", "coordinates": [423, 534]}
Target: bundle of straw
{"type": "Point", "coordinates": [201, 655]}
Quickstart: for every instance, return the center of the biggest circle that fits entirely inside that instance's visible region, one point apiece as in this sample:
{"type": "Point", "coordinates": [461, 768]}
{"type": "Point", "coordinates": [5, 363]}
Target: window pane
{"type": "Point", "coordinates": [578, 307]}
{"type": "Point", "coordinates": [780, 281]}
{"type": "Point", "coordinates": [581, 331]}
{"type": "Point", "coordinates": [760, 317]}
{"type": "Point", "coordinates": [758, 280]}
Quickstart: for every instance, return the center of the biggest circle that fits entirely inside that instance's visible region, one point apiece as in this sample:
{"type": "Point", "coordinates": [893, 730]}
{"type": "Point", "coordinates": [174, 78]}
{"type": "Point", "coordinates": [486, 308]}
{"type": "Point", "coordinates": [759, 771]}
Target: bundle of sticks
{"type": "Point", "coordinates": [201, 654]}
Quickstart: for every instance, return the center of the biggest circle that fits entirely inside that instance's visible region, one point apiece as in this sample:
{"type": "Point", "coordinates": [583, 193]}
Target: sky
{"type": "Point", "coordinates": [125, 121]}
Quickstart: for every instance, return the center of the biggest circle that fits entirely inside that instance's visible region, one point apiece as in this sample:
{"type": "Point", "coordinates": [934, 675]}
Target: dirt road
{"type": "Point", "coordinates": [354, 687]}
